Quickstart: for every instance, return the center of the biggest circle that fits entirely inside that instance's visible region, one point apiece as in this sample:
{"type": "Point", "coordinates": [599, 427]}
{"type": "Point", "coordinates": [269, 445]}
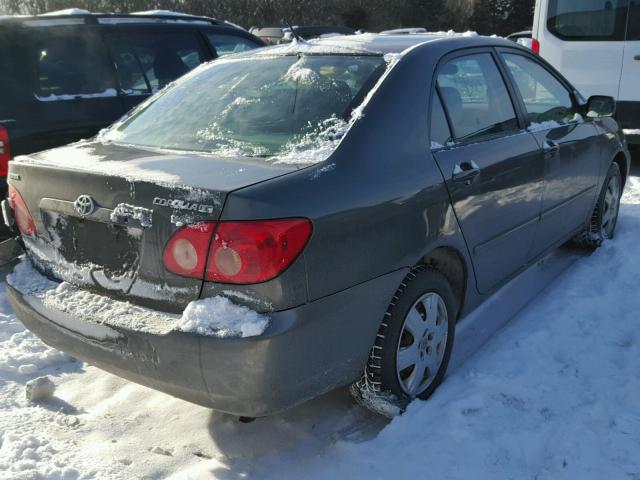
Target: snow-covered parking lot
{"type": "Point", "coordinates": [554, 395]}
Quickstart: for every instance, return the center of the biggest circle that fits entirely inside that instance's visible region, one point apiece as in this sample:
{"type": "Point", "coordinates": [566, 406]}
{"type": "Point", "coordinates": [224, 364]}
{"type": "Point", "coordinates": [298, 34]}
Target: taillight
{"type": "Point", "coordinates": [256, 251]}
{"type": "Point", "coordinates": [5, 151]}
{"type": "Point", "coordinates": [23, 218]}
{"type": "Point", "coordinates": [535, 46]}
{"type": "Point", "coordinates": [240, 252]}
{"type": "Point", "coordinates": [186, 252]}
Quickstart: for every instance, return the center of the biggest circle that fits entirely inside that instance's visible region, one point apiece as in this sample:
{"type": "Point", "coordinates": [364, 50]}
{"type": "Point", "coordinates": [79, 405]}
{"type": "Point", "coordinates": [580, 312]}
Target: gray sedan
{"type": "Point", "coordinates": [287, 221]}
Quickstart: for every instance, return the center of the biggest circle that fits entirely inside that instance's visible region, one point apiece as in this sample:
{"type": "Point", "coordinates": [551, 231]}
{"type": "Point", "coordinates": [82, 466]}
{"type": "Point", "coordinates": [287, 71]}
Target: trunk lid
{"type": "Point", "coordinates": [104, 213]}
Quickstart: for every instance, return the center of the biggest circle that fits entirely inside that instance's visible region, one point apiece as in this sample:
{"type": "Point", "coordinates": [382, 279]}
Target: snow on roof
{"type": "Point", "coordinates": [67, 11]}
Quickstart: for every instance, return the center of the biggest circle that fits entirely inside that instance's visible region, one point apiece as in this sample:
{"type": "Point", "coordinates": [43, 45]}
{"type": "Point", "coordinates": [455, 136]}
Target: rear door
{"type": "Point", "coordinates": [149, 59]}
{"type": "Point", "coordinates": [72, 86]}
{"type": "Point", "coordinates": [629, 99]}
{"type": "Point", "coordinates": [570, 144]}
{"type": "Point", "coordinates": [492, 166]}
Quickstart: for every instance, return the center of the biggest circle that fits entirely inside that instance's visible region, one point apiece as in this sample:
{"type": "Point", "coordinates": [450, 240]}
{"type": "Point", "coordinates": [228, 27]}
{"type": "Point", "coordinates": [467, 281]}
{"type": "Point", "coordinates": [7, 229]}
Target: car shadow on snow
{"type": "Point", "coordinates": [304, 430]}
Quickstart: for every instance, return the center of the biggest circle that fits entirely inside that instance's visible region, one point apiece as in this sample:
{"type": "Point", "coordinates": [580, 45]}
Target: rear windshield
{"type": "Point", "coordinates": [588, 19]}
{"type": "Point", "coordinates": [287, 108]}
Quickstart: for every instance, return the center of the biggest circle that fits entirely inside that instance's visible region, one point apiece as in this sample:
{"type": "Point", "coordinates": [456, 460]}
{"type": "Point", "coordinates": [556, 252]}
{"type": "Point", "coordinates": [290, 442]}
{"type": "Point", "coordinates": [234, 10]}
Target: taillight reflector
{"type": "Point", "coordinates": [5, 151]}
{"type": "Point", "coordinates": [535, 46]}
{"type": "Point", "coordinates": [23, 218]}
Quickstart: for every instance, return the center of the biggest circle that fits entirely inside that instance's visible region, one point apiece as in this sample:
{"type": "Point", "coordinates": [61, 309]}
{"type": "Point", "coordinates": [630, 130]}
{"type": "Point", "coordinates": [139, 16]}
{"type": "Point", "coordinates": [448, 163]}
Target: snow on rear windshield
{"type": "Point", "coordinates": [290, 109]}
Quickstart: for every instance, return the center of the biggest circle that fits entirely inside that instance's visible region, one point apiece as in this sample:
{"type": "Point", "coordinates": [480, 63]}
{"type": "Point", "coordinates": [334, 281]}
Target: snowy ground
{"type": "Point", "coordinates": [554, 395]}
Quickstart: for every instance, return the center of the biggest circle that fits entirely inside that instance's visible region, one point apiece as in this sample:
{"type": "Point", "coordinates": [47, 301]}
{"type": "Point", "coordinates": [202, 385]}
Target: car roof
{"type": "Point", "coordinates": [373, 43]}
{"type": "Point", "coordinates": [75, 16]}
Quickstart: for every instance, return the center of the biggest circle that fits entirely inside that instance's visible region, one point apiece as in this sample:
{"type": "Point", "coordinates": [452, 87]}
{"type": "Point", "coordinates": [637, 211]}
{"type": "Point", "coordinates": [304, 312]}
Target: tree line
{"type": "Point", "coordinates": [487, 17]}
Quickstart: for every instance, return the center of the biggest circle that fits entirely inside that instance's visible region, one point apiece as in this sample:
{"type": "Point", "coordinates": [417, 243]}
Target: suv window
{"type": "Point", "coordinates": [545, 98]}
{"type": "Point", "coordinates": [67, 66]}
{"type": "Point", "coordinates": [440, 133]}
{"type": "Point", "coordinates": [147, 62]}
{"type": "Point", "coordinates": [228, 44]}
{"type": "Point", "coordinates": [588, 19]}
{"type": "Point", "coordinates": [476, 97]}
{"type": "Point", "coordinates": [633, 30]}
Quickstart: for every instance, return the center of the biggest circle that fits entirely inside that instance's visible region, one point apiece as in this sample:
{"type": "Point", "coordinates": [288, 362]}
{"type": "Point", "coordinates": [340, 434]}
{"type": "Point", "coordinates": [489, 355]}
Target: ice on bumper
{"type": "Point", "coordinates": [100, 318]}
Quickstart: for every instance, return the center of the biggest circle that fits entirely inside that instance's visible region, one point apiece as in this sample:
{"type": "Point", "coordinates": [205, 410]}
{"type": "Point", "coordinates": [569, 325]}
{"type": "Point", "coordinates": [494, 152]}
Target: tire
{"type": "Point", "coordinates": [412, 349]}
{"type": "Point", "coordinates": [604, 219]}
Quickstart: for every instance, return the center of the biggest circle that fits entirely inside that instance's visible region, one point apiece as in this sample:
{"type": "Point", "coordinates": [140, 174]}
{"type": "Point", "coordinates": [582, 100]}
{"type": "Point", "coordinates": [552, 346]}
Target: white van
{"type": "Point", "coordinates": [596, 45]}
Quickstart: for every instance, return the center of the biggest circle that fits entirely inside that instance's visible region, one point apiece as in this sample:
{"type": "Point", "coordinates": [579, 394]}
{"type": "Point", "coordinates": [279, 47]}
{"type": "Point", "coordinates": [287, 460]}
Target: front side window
{"type": "Point", "coordinates": [588, 19]}
{"type": "Point", "coordinates": [476, 97]}
{"type": "Point", "coordinates": [68, 68]}
{"type": "Point", "coordinates": [229, 44]}
{"type": "Point", "coordinates": [545, 98]}
{"type": "Point", "coordinates": [256, 107]}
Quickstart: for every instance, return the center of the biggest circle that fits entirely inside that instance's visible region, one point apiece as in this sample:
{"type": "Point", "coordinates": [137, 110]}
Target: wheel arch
{"type": "Point", "coordinates": [621, 159]}
{"type": "Point", "coordinates": [451, 263]}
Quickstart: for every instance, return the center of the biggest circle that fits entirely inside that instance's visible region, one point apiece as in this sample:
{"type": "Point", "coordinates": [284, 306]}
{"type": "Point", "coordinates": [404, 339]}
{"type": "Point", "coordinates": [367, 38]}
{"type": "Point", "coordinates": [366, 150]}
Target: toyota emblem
{"type": "Point", "coordinates": [84, 205]}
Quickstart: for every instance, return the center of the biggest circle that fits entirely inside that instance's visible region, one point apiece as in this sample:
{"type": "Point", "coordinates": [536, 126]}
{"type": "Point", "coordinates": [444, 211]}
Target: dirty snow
{"type": "Point", "coordinates": [220, 317]}
{"type": "Point", "coordinates": [98, 317]}
{"type": "Point", "coordinates": [552, 396]}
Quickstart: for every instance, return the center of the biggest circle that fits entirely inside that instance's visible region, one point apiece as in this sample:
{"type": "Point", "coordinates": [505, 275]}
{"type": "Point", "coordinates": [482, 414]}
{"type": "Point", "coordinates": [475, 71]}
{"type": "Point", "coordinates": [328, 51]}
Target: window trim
{"type": "Point", "coordinates": [574, 95]}
{"type": "Point", "coordinates": [508, 85]}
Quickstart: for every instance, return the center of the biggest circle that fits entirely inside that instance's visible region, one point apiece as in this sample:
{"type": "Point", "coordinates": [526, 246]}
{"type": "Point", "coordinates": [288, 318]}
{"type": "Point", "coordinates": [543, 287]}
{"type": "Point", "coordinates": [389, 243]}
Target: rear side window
{"type": "Point", "coordinates": [476, 97]}
{"type": "Point", "coordinates": [70, 67]}
{"type": "Point", "coordinates": [147, 62]}
{"type": "Point", "coordinates": [228, 44]}
{"type": "Point", "coordinates": [588, 19]}
{"type": "Point", "coordinates": [545, 98]}
{"type": "Point", "coordinates": [633, 30]}
{"type": "Point", "coordinates": [440, 133]}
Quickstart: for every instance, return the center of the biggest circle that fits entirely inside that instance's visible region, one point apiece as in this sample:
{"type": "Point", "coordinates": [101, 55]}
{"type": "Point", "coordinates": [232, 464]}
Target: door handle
{"type": "Point", "coordinates": [465, 172]}
{"type": "Point", "coordinates": [551, 147]}
{"type": "Point", "coordinates": [637, 58]}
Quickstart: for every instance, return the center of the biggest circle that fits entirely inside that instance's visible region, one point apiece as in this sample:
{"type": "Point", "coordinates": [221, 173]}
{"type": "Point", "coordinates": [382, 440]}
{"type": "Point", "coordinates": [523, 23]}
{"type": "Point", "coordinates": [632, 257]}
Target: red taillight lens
{"type": "Point", "coordinates": [256, 251]}
{"type": "Point", "coordinates": [23, 218]}
{"type": "Point", "coordinates": [535, 46]}
{"type": "Point", "coordinates": [240, 252]}
{"type": "Point", "coordinates": [5, 151]}
{"type": "Point", "coordinates": [186, 252]}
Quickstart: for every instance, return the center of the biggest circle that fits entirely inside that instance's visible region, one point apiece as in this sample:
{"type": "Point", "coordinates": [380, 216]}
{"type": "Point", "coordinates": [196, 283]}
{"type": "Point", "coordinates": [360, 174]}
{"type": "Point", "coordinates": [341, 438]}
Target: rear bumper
{"type": "Point", "coordinates": [305, 352]}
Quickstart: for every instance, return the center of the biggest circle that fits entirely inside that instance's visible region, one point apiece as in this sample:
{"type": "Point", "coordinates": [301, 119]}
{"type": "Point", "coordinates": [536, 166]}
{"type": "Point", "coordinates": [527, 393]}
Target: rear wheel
{"type": "Point", "coordinates": [413, 346]}
{"type": "Point", "coordinates": [605, 214]}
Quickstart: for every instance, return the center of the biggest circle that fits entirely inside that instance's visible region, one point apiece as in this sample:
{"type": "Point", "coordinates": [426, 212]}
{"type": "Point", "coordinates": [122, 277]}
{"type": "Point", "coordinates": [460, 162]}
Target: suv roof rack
{"type": "Point", "coordinates": [77, 16]}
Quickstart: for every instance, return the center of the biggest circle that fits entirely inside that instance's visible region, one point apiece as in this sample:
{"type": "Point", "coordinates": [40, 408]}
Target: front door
{"type": "Point", "coordinates": [570, 146]}
{"type": "Point", "coordinates": [492, 167]}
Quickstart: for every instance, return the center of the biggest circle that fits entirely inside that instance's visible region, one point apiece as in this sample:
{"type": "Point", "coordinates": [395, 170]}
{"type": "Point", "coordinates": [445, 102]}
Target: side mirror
{"type": "Point", "coordinates": [601, 106]}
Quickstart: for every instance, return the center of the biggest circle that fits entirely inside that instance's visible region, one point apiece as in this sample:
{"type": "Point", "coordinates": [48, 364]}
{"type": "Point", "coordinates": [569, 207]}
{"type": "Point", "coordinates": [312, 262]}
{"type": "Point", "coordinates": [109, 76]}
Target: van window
{"type": "Point", "coordinates": [67, 67]}
{"type": "Point", "coordinates": [588, 19]}
{"type": "Point", "coordinates": [545, 98]}
{"type": "Point", "coordinates": [633, 30]}
{"type": "Point", "coordinates": [148, 62]}
{"type": "Point", "coordinates": [476, 97]}
{"type": "Point", "coordinates": [228, 44]}
{"type": "Point", "coordinates": [440, 133]}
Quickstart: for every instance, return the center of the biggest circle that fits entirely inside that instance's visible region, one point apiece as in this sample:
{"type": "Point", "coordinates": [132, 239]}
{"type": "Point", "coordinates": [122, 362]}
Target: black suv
{"type": "Point", "coordinates": [65, 77]}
